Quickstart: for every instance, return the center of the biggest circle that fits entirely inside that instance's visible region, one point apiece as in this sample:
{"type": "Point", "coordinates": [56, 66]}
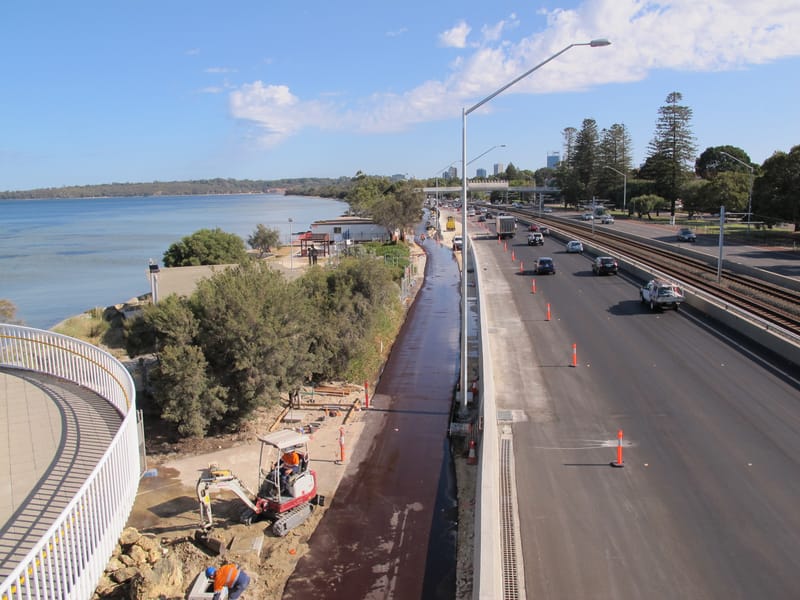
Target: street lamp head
{"type": "Point", "coordinates": [599, 42]}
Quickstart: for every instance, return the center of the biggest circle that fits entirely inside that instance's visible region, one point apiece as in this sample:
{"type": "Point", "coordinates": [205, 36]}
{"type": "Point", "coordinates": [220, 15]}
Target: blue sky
{"type": "Point", "coordinates": [124, 91]}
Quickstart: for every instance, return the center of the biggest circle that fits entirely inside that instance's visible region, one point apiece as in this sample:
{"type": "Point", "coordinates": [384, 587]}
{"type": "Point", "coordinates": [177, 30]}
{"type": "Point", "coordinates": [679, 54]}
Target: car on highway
{"type": "Point", "coordinates": [574, 246]}
{"type": "Point", "coordinates": [544, 266]}
{"type": "Point", "coordinates": [547, 209]}
{"type": "Point", "coordinates": [607, 219]}
{"type": "Point", "coordinates": [544, 230]}
{"type": "Point", "coordinates": [533, 227]}
{"type": "Point", "coordinates": [587, 216]}
{"type": "Point", "coordinates": [458, 241]}
{"type": "Point", "coordinates": [605, 265]}
{"type": "Point", "coordinates": [535, 239]}
{"type": "Point", "coordinates": [659, 293]}
{"type": "Point", "coordinates": [686, 235]}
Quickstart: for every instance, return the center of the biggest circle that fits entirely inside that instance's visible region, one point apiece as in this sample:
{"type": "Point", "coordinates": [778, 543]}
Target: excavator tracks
{"type": "Point", "coordinates": [291, 519]}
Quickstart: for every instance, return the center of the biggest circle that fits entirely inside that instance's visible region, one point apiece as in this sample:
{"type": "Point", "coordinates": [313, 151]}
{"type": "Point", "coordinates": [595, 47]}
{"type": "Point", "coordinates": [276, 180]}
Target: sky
{"type": "Point", "coordinates": [153, 90]}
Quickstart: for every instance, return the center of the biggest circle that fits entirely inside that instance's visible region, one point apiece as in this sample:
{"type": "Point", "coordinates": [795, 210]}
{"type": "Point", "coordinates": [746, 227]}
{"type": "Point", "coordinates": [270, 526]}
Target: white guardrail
{"type": "Point", "coordinates": [70, 558]}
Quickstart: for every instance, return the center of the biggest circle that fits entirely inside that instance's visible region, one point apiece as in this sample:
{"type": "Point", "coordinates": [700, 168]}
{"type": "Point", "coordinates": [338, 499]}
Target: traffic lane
{"type": "Point", "coordinates": [666, 526]}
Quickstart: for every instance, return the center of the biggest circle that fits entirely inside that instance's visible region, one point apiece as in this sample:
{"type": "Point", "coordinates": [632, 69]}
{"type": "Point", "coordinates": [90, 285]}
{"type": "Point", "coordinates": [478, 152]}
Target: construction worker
{"type": "Point", "coordinates": [228, 576]}
{"type": "Point", "coordinates": [291, 460]}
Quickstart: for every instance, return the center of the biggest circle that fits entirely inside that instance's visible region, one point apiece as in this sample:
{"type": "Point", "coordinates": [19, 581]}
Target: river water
{"type": "Point", "coordinates": [61, 257]}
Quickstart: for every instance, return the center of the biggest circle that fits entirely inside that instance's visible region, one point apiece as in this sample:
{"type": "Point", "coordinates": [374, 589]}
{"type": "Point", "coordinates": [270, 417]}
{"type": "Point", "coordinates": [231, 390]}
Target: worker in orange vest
{"type": "Point", "coordinates": [228, 576]}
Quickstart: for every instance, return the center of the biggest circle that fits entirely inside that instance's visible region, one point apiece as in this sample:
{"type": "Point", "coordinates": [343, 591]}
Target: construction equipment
{"type": "Point", "coordinates": [287, 490]}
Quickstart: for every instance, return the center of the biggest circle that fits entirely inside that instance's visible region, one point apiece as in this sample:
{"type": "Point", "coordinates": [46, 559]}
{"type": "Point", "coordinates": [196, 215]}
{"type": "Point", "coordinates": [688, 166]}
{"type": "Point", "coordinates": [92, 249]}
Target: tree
{"type": "Point", "coordinates": [395, 205]}
{"type": "Point", "coordinates": [776, 193]}
{"type": "Point", "coordinates": [674, 148]}
{"type": "Point", "coordinates": [170, 322]}
{"type": "Point", "coordinates": [615, 151]}
{"type": "Point", "coordinates": [713, 161]}
{"type": "Point", "coordinates": [644, 205]}
{"type": "Point", "coordinates": [185, 393]}
{"type": "Point", "coordinates": [585, 159]}
{"type": "Point", "coordinates": [511, 172]}
{"type": "Point", "coordinates": [206, 247]}
{"type": "Point", "coordinates": [254, 334]}
{"type": "Point", "coordinates": [566, 176]}
{"type": "Point", "coordinates": [728, 189]}
{"type": "Point", "coordinates": [8, 311]}
{"type": "Point", "coordinates": [263, 239]}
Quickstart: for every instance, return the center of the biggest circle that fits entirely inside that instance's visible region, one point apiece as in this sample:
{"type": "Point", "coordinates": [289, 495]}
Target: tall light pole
{"type": "Point", "coordinates": [482, 154]}
{"type": "Point", "coordinates": [465, 243]}
{"type": "Point", "coordinates": [291, 247]}
{"type": "Point", "coordinates": [750, 194]}
{"type": "Point", "coordinates": [624, 185]}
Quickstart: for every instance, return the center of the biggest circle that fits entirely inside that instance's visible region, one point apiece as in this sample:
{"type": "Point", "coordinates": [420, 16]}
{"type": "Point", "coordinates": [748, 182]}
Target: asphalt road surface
{"type": "Point", "coordinates": [706, 505]}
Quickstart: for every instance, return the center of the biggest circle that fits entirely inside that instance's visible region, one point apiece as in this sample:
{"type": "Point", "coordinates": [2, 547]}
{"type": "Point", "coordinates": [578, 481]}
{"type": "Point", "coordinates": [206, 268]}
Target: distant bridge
{"type": "Point", "coordinates": [493, 186]}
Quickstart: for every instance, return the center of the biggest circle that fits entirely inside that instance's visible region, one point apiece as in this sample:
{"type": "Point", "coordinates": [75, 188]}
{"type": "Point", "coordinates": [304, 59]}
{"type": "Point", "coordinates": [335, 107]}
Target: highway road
{"type": "Point", "coordinates": [706, 505]}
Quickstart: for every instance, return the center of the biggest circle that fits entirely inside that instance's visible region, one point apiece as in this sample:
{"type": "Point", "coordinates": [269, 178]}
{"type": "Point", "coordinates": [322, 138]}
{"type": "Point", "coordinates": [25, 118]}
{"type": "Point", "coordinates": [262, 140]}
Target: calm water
{"type": "Point", "coordinates": [59, 258]}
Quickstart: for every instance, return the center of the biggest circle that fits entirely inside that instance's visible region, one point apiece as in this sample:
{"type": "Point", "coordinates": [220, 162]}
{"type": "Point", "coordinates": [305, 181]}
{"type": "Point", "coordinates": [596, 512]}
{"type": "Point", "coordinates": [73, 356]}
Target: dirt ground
{"type": "Point", "coordinates": [167, 508]}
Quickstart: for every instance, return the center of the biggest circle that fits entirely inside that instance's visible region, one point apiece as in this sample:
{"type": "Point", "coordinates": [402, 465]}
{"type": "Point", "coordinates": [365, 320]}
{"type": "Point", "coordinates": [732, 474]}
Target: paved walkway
{"type": "Point", "coordinates": [54, 433]}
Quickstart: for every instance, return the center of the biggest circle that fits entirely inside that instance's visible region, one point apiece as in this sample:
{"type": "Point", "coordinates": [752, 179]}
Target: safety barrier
{"type": "Point", "coordinates": [70, 558]}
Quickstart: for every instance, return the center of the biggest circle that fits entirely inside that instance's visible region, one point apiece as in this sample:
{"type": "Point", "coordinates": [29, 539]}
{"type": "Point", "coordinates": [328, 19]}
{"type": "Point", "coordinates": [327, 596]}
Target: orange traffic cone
{"type": "Point", "coordinates": [472, 458]}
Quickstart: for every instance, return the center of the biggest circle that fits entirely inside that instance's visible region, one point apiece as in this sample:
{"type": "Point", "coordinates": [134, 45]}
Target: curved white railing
{"type": "Point", "coordinates": [70, 558]}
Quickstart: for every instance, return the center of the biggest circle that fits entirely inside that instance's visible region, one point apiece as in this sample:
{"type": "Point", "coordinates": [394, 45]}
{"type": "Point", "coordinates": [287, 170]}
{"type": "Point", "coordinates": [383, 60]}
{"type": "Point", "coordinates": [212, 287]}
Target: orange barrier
{"type": "Point", "coordinates": [619, 462]}
{"type": "Point", "coordinates": [472, 459]}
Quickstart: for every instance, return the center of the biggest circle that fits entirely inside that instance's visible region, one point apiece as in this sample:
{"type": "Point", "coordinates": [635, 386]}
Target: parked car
{"type": "Point", "coordinates": [544, 265]}
{"type": "Point", "coordinates": [482, 219]}
{"type": "Point", "coordinates": [535, 239]}
{"type": "Point", "coordinates": [574, 246]}
{"type": "Point", "coordinates": [686, 235]}
{"type": "Point", "coordinates": [605, 265]}
{"type": "Point", "coordinates": [587, 216]}
{"type": "Point", "coordinates": [458, 241]}
{"type": "Point", "coordinates": [607, 219]}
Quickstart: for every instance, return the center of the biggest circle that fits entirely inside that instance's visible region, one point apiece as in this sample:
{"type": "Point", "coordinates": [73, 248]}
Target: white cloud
{"type": "Point", "coordinates": [397, 32]}
{"type": "Point", "coordinates": [220, 70]}
{"type": "Point", "coordinates": [680, 35]}
{"type": "Point", "coordinates": [455, 37]}
{"type": "Point", "coordinates": [278, 112]}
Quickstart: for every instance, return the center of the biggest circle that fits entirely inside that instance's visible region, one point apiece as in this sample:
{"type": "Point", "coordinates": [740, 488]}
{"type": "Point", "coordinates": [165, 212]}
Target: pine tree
{"type": "Point", "coordinates": [672, 148]}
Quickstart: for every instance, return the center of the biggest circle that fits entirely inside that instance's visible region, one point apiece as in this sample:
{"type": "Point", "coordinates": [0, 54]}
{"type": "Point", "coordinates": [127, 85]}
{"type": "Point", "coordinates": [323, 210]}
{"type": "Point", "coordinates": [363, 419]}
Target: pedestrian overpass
{"type": "Point", "coordinates": [73, 469]}
{"type": "Point", "coordinates": [493, 186]}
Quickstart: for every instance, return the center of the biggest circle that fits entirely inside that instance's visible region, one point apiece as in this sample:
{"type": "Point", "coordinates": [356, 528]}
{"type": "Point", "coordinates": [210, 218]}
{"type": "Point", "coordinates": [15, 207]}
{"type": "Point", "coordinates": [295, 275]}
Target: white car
{"type": "Point", "coordinates": [574, 246]}
{"type": "Point", "coordinates": [587, 217]}
{"type": "Point", "coordinates": [607, 220]}
{"type": "Point", "coordinates": [458, 241]}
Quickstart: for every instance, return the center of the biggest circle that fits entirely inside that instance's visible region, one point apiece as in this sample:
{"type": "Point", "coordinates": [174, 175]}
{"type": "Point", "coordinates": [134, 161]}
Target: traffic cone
{"type": "Point", "coordinates": [472, 458]}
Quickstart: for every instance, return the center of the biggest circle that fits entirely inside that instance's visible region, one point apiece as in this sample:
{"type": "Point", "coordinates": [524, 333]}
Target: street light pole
{"type": "Point", "coordinates": [465, 243]}
{"type": "Point", "coordinates": [750, 194]}
{"type": "Point", "coordinates": [624, 185]}
{"type": "Point", "coordinates": [291, 247]}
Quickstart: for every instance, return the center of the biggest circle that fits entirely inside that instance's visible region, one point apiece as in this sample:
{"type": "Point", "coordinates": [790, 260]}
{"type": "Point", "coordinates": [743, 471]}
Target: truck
{"type": "Point", "coordinates": [505, 225]}
{"type": "Point", "coordinates": [659, 293]}
{"type": "Point", "coordinates": [451, 223]}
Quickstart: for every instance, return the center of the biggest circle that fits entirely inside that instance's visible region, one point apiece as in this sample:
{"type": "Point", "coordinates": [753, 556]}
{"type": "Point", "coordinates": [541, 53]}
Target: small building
{"type": "Point", "coordinates": [355, 229]}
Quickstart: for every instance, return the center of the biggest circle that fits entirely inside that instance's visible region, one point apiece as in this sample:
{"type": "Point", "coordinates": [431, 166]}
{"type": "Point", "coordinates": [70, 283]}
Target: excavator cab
{"type": "Point", "coordinates": [287, 486]}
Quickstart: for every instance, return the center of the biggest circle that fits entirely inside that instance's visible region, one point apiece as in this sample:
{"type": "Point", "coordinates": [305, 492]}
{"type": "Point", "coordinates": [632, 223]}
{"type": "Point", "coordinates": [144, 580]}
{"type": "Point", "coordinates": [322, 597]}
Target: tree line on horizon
{"type": "Point", "coordinates": [199, 187]}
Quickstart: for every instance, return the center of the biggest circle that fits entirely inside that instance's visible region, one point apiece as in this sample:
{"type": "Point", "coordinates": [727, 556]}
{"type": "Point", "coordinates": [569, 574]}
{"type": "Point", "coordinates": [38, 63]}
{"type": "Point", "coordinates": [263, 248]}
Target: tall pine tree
{"type": "Point", "coordinates": [673, 149]}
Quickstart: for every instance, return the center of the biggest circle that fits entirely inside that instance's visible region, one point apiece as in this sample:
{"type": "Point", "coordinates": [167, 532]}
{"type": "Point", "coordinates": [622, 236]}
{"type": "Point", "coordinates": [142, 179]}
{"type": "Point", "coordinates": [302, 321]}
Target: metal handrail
{"type": "Point", "coordinates": [69, 559]}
